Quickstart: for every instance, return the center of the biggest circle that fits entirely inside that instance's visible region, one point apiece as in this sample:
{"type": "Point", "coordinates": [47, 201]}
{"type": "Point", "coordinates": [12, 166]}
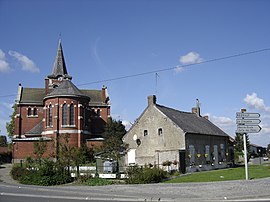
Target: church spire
{"type": "Point", "coordinates": [59, 66]}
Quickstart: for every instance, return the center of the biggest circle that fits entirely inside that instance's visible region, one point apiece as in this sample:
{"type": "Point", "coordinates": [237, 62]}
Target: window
{"type": "Point", "coordinates": [191, 149]}
{"type": "Point", "coordinates": [50, 116]}
{"type": "Point", "coordinates": [207, 153]}
{"type": "Point", "coordinates": [29, 112]}
{"type": "Point", "coordinates": [35, 112]}
{"type": "Point", "coordinates": [160, 131]}
{"type": "Point", "coordinates": [222, 151]}
{"type": "Point", "coordinates": [64, 114]}
{"type": "Point", "coordinates": [71, 115]}
{"type": "Point", "coordinates": [145, 133]}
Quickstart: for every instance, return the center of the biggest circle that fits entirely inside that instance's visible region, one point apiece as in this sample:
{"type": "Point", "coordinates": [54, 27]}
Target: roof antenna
{"type": "Point", "coordinates": [198, 107]}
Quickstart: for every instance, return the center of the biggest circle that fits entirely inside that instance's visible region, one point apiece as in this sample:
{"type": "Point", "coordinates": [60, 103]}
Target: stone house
{"type": "Point", "coordinates": [187, 141]}
{"type": "Point", "coordinates": [57, 109]}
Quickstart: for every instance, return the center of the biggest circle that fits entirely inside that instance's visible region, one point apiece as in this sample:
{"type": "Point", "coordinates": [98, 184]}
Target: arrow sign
{"type": "Point", "coordinates": [247, 115]}
{"type": "Point", "coordinates": [248, 129]}
{"type": "Point", "coordinates": [248, 121]}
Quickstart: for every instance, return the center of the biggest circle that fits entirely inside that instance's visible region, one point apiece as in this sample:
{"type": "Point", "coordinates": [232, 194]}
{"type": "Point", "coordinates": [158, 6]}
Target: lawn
{"type": "Point", "coordinates": [255, 172]}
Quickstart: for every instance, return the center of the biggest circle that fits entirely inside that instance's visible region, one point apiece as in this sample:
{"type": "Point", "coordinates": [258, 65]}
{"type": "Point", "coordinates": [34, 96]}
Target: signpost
{"type": "Point", "coordinates": [247, 123]}
{"type": "Point", "coordinates": [248, 129]}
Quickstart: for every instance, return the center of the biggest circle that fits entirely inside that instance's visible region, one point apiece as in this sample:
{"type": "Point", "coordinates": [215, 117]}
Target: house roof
{"type": "Point", "coordinates": [66, 88]}
{"type": "Point", "coordinates": [32, 95]}
{"type": "Point", "coordinates": [191, 122]}
{"type": "Point", "coordinates": [37, 130]}
{"type": "Point", "coordinates": [36, 95]}
{"type": "Point", "coordinates": [95, 95]}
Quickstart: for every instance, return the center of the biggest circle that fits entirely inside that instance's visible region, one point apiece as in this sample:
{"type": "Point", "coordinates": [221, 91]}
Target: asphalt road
{"type": "Point", "coordinates": [240, 190]}
{"type": "Point", "coordinates": [252, 190]}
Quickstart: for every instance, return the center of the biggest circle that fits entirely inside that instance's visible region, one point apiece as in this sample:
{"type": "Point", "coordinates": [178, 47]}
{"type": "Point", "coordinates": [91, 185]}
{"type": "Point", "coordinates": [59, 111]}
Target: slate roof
{"type": "Point", "coordinates": [37, 130]}
{"type": "Point", "coordinates": [32, 95]}
{"type": "Point", "coordinates": [95, 95]}
{"type": "Point", "coordinates": [36, 95]}
{"type": "Point", "coordinates": [66, 88]}
{"type": "Point", "coordinates": [191, 123]}
{"type": "Point", "coordinates": [59, 66]}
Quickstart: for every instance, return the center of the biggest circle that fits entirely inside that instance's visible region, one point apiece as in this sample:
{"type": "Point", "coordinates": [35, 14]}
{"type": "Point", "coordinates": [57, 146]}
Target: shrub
{"type": "Point", "coordinates": [145, 175]}
{"type": "Point", "coordinates": [47, 174]}
{"type": "Point", "coordinates": [17, 172]}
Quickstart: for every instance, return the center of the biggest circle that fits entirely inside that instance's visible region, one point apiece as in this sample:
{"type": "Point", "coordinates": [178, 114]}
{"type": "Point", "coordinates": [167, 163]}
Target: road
{"type": "Point", "coordinates": [240, 190]}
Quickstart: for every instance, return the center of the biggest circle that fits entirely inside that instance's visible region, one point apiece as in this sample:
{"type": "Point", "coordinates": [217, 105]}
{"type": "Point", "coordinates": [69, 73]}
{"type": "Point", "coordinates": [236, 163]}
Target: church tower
{"type": "Point", "coordinates": [59, 72]}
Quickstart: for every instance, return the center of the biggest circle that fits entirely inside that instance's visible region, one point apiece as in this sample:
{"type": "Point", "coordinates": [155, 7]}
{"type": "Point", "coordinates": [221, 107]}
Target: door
{"type": "Point", "coordinates": [182, 159]}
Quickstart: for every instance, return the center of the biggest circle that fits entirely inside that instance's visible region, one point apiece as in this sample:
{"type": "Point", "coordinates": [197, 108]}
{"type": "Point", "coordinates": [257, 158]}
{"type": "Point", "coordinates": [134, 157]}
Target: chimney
{"type": "Point", "coordinates": [197, 110]}
{"type": "Point", "coordinates": [152, 100]}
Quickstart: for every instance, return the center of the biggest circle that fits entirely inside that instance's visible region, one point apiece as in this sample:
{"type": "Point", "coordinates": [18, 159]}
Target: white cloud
{"type": "Point", "coordinates": [222, 121]}
{"type": "Point", "coordinates": [179, 69]}
{"type": "Point", "coordinates": [4, 66]}
{"type": "Point", "coordinates": [190, 58]}
{"type": "Point", "coordinates": [26, 63]}
{"type": "Point", "coordinates": [255, 102]}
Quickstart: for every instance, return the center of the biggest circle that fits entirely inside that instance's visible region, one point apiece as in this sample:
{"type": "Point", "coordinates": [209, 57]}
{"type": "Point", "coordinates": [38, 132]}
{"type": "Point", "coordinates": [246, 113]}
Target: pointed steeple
{"type": "Point", "coordinates": [59, 66]}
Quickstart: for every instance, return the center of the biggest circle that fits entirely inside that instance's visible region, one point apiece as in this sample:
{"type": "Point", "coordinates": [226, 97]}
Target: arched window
{"type": "Point", "coordinates": [71, 115]}
{"type": "Point", "coordinates": [35, 112]}
{"type": "Point", "coordinates": [29, 110]}
{"type": "Point", "coordinates": [64, 114]}
{"type": "Point", "coordinates": [50, 116]}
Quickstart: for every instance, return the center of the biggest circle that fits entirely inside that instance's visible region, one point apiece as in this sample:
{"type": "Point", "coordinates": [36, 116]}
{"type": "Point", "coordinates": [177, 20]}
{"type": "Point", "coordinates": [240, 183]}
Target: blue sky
{"type": "Point", "coordinates": [105, 39]}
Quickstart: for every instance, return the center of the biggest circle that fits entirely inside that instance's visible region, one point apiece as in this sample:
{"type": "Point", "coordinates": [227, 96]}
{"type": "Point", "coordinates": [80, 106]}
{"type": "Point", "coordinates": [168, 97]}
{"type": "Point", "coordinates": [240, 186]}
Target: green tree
{"type": "Point", "coordinates": [10, 126]}
{"type": "Point", "coordinates": [39, 149]}
{"type": "Point", "coordinates": [113, 144]}
{"type": "Point", "coordinates": [268, 150]}
{"type": "Point", "coordinates": [3, 141]}
{"type": "Point", "coordinates": [239, 145]}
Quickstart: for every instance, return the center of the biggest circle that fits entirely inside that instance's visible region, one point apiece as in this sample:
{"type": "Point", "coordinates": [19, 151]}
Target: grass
{"type": "Point", "coordinates": [255, 172]}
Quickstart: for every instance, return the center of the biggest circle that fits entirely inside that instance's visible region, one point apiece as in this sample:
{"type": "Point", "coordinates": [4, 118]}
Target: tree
{"type": "Point", "coordinates": [268, 150]}
{"type": "Point", "coordinates": [39, 149]}
{"type": "Point", "coordinates": [239, 145]}
{"type": "Point", "coordinates": [10, 126]}
{"type": "Point", "coordinates": [3, 141]}
{"type": "Point", "coordinates": [113, 145]}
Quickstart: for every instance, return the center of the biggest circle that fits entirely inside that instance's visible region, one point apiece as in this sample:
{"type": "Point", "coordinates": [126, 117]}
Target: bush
{"type": "Point", "coordinates": [47, 174]}
{"type": "Point", "coordinates": [137, 175]}
{"type": "Point", "coordinates": [17, 172]}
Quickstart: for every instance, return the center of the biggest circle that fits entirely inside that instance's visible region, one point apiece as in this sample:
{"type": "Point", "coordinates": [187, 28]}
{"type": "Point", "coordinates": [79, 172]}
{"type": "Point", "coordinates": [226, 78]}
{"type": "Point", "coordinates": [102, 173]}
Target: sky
{"type": "Point", "coordinates": [214, 51]}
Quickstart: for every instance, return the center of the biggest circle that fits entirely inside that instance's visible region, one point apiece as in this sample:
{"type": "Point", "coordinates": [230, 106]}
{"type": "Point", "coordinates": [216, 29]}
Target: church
{"type": "Point", "coordinates": [58, 109]}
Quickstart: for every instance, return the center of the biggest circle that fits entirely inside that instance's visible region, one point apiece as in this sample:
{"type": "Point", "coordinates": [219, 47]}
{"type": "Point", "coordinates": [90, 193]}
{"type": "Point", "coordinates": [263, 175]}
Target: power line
{"type": "Point", "coordinates": [172, 68]}
{"type": "Point", "coordinates": [167, 69]}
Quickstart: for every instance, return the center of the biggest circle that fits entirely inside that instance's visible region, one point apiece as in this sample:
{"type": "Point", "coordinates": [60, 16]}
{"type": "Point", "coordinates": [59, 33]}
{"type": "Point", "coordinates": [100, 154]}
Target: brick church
{"type": "Point", "coordinates": [57, 109]}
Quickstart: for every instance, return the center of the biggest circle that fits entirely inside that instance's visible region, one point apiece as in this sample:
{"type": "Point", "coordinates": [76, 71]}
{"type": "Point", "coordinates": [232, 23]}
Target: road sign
{"type": "Point", "coordinates": [247, 115]}
{"type": "Point", "coordinates": [248, 121]}
{"type": "Point", "coordinates": [248, 129]}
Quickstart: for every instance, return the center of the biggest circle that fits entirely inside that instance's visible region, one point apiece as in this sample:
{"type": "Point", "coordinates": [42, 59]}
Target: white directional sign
{"type": "Point", "coordinates": [247, 115]}
{"type": "Point", "coordinates": [248, 129]}
{"type": "Point", "coordinates": [248, 121]}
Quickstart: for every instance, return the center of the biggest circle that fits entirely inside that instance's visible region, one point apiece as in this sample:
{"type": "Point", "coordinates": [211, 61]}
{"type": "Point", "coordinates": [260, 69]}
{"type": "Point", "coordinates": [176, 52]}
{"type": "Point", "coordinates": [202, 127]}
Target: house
{"type": "Point", "coordinates": [57, 109]}
{"type": "Point", "coordinates": [185, 141]}
{"type": "Point", "coordinates": [256, 150]}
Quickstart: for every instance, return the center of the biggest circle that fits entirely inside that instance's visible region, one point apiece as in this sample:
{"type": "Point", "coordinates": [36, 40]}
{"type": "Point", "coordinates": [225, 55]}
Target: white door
{"type": "Point", "coordinates": [131, 156]}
